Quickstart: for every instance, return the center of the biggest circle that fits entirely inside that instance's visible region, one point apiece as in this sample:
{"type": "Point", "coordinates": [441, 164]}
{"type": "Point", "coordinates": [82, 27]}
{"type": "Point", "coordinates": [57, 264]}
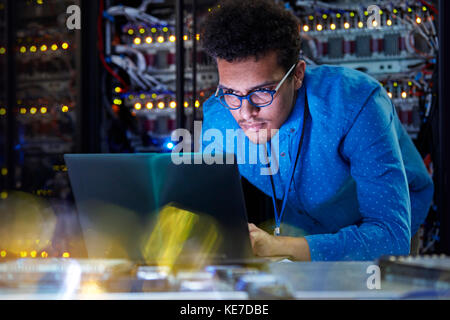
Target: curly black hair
{"type": "Point", "coordinates": [236, 30]}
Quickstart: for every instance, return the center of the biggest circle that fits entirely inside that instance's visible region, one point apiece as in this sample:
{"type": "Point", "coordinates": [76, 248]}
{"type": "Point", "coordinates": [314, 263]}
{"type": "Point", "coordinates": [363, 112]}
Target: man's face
{"type": "Point", "coordinates": [243, 77]}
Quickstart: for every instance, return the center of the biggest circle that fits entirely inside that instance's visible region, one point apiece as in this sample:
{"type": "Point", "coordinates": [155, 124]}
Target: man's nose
{"type": "Point", "coordinates": [248, 111]}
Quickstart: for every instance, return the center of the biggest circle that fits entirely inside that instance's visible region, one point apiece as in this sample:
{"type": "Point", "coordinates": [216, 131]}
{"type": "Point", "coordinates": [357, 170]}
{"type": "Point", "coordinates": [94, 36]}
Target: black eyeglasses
{"type": "Point", "coordinates": [259, 98]}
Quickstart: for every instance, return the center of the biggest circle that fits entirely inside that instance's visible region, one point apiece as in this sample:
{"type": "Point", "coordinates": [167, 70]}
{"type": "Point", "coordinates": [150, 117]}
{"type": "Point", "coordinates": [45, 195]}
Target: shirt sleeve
{"type": "Point", "coordinates": [421, 188]}
{"type": "Point", "coordinates": [373, 152]}
{"type": "Point", "coordinates": [210, 121]}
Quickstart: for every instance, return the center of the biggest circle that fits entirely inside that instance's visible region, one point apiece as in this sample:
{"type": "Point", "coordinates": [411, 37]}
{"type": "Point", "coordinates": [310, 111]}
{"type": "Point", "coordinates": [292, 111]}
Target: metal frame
{"type": "Point", "coordinates": [443, 162]}
{"type": "Point", "coordinates": [180, 63]}
{"type": "Point", "coordinates": [10, 91]}
{"type": "Point", "coordinates": [194, 61]}
{"type": "Point", "coordinates": [89, 111]}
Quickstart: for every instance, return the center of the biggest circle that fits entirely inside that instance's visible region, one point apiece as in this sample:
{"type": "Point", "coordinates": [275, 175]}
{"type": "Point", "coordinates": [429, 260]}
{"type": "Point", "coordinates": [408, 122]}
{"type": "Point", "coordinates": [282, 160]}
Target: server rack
{"type": "Point", "coordinates": [41, 118]}
{"type": "Point", "coordinates": [167, 90]}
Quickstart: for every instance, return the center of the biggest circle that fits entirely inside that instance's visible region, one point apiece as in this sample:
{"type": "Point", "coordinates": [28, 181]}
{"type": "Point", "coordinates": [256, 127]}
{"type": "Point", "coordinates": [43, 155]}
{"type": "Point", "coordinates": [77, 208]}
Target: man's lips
{"type": "Point", "coordinates": [255, 126]}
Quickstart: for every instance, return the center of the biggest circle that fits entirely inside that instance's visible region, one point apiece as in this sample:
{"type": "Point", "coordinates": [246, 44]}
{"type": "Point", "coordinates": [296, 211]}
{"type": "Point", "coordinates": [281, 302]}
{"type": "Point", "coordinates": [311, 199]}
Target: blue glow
{"type": "Point", "coordinates": [169, 145]}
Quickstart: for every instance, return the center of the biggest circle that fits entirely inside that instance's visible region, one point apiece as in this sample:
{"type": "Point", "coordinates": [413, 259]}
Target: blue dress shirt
{"type": "Point", "coordinates": [360, 189]}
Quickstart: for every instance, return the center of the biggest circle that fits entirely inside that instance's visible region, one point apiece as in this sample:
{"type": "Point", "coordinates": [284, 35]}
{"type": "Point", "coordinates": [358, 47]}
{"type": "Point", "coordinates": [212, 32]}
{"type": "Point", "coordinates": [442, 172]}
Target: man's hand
{"type": "Point", "coordinates": [263, 244]}
{"type": "Point", "coordinates": [266, 245]}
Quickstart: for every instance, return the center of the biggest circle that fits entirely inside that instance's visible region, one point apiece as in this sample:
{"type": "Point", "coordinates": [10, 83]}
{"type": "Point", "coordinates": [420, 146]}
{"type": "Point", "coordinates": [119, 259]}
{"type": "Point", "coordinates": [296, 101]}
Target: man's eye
{"type": "Point", "coordinates": [234, 92]}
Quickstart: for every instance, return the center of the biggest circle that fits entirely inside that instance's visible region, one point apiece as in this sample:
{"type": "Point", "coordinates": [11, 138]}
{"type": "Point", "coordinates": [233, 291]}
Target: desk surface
{"type": "Point", "coordinates": [117, 279]}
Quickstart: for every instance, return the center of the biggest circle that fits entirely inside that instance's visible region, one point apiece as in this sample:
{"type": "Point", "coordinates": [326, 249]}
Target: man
{"type": "Point", "coordinates": [350, 183]}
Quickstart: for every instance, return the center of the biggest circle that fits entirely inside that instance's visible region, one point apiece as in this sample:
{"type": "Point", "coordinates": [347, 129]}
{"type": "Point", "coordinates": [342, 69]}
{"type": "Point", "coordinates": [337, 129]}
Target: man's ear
{"type": "Point", "coordinates": [299, 74]}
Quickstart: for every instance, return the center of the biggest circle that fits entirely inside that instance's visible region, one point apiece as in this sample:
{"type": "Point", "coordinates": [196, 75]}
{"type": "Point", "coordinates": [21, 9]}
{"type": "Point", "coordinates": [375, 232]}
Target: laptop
{"type": "Point", "coordinates": [146, 208]}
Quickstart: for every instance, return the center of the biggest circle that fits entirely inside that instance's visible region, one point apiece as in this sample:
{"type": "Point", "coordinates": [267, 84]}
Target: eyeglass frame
{"type": "Point", "coordinates": [247, 97]}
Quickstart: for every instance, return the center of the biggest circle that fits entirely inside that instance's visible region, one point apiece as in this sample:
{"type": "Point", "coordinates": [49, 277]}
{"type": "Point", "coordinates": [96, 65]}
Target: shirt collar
{"type": "Point", "coordinates": [295, 118]}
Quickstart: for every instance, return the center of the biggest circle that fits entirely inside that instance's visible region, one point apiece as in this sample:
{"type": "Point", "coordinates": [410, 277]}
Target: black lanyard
{"type": "Point", "coordinates": [298, 147]}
